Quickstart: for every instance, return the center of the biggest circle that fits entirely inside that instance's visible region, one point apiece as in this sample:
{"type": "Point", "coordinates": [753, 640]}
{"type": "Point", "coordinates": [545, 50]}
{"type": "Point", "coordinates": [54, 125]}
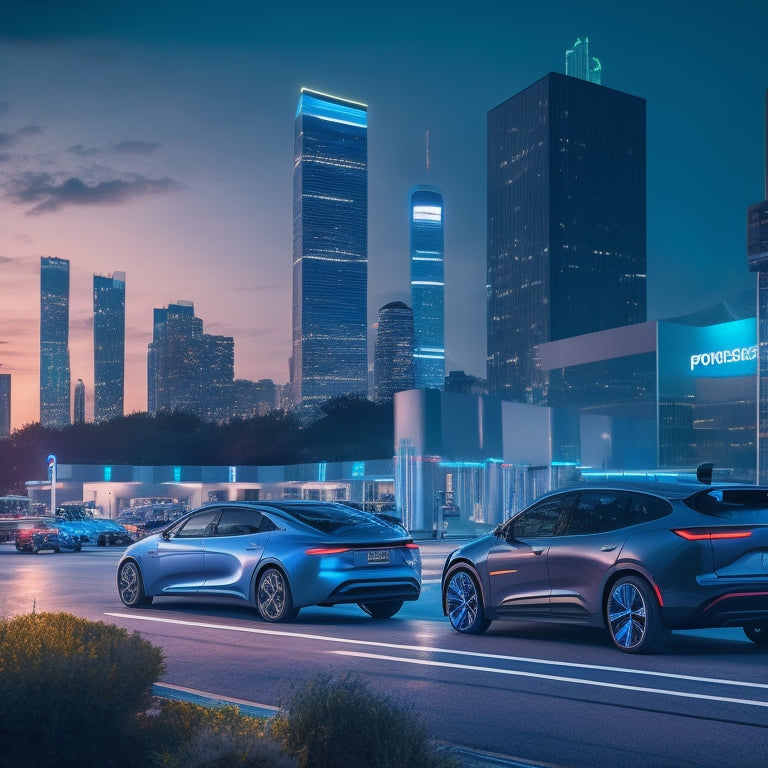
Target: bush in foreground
{"type": "Point", "coordinates": [70, 690]}
{"type": "Point", "coordinates": [343, 724]}
{"type": "Point", "coordinates": [184, 735]}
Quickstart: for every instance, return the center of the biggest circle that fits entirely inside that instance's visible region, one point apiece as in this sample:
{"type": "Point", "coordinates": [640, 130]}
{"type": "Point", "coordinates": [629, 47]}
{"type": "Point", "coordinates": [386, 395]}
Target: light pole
{"type": "Point", "coordinates": [52, 470]}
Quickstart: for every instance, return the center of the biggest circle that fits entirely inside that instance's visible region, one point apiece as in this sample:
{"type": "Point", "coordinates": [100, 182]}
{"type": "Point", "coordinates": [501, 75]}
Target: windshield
{"type": "Point", "coordinates": [335, 518]}
{"type": "Point", "coordinates": [742, 504]}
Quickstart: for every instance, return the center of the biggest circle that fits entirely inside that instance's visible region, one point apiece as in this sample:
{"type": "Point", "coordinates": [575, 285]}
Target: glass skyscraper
{"type": "Point", "coordinates": [55, 396]}
{"type": "Point", "coordinates": [427, 286]}
{"type": "Point", "coordinates": [5, 404]}
{"type": "Point", "coordinates": [566, 223]}
{"type": "Point", "coordinates": [108, 346]}
{"type": "Point", "coordinates": [330, 249]}
{"type": "Point", "coordinates": [757, 259]}
{"type": "Point", "coordinates": [393, 360]}
{"type": "Point", "coordinates": [188, 370]}
{"type": "Point", "coordinates": [578, 63]}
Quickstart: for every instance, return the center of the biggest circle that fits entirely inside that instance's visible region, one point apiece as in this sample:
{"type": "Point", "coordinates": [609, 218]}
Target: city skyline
{"type": "Point", "coordinates": [159, 143]}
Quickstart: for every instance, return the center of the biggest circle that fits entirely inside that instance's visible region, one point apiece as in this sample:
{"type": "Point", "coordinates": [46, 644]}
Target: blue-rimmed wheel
{"type": "Point", "coordinates": [634, 617]}
{"type": "Point", "coordinates": [130, 585]}
{"type": "Point", "coordinates": [464, 603]}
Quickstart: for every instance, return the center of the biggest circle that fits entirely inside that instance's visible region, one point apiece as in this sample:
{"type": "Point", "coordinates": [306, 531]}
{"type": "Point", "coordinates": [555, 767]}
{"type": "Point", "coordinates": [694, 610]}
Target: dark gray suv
{"type": "Point", "coordinates": [636, 558]}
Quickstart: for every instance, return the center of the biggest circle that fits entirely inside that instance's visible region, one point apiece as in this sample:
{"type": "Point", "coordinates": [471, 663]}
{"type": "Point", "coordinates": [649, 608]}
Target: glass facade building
{"type": "Point", "coordinates": [188, 370]}
{"type": "Point", "coordinates": [566, 223]}
{"type": "Point", "coordinates": [108, 346]}
{"type": "Point", "coordinates": [393, 361]}
{"type": "Point", "coordinates": [330, 249]}
{"type": "Point", "coordinates": [427, 286]}
{"type": "Point", "coordinates": [55, 387]}
{"type": "Point", "coordinates": [5, 404]}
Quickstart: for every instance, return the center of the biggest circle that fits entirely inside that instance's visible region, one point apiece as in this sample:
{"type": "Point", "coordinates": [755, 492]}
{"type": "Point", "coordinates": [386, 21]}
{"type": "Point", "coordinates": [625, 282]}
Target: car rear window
{"type": "Point", "coordinates": [742, 504]}
{"type": "Point", "coordinates": [337, 518]}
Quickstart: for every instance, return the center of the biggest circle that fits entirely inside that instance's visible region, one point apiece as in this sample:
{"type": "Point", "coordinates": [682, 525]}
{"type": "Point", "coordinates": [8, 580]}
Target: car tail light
{"type": "Point", "coordinates": [702, 534]}
{"type": "Point", "coordinates": [411, 546]}
{"type": "Point", "coordinates": [327, 550]}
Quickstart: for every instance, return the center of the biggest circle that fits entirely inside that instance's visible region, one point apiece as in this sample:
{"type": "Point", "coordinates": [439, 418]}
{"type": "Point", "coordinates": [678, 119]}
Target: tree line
{"type": "Point", "coordinates": [344, 429]}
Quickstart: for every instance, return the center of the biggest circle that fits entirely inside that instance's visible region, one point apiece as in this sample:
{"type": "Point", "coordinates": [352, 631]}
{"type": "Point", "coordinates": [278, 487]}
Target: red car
{"type": "Point", "coordinates": [34, 539]}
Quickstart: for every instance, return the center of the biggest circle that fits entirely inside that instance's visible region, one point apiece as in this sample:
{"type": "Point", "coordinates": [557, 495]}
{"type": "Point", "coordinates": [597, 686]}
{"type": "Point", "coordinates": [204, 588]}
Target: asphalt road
{"type": "Point", "coordinates": [527, 693]}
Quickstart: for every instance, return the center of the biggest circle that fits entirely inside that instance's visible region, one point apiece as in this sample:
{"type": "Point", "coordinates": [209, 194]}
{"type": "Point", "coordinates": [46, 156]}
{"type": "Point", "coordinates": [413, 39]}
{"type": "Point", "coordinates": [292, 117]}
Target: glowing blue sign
{"type": "Point", "coordinates": [727, 350]}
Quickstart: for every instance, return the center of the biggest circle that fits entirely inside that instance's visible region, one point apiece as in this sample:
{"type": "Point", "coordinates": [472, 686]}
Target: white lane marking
{"type": "Point", "coordinates": [429, 649]}
{"type": "Point", "coordinates": [555, 678]}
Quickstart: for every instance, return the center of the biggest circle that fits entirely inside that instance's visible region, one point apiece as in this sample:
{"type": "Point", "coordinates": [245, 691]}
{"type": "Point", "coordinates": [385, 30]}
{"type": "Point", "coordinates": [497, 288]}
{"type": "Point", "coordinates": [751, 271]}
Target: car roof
{"type": "Point", "coordinates": [668, 491]}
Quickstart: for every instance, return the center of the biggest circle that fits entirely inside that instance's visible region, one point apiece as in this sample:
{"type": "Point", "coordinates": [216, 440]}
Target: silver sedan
{"type": "Point", "coordinates": [278, 556]}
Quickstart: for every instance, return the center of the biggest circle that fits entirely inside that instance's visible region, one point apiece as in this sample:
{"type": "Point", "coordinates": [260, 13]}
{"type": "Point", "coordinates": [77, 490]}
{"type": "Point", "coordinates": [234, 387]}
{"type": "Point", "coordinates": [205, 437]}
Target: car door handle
{"type": "Point", "coordinates": [608, 547]}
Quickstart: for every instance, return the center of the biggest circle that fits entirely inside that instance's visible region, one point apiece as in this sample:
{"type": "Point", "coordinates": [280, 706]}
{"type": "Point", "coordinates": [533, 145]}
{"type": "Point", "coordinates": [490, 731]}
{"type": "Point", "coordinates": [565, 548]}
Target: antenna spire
{"type": "Point", "coordinates": [427, 148]}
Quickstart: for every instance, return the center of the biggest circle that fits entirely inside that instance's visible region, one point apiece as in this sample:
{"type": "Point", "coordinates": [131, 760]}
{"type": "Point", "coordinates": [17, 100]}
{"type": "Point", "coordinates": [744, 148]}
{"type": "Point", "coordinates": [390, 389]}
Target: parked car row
{"type": "Point", "coordinates": [635, 559]}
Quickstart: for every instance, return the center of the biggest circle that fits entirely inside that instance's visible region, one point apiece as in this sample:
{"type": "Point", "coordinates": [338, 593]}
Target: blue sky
{"type": "Point", "coordinates": [157, 139]}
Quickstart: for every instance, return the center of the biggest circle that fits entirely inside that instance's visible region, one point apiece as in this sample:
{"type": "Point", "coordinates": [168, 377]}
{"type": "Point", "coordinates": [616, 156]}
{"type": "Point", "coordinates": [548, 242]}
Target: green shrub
{"type": "Point", "coordinates": [343, 724]}
{"type": "Point", "coordinates": [70, 690]}
{"type": "Point", "coordinates": [184, 735]}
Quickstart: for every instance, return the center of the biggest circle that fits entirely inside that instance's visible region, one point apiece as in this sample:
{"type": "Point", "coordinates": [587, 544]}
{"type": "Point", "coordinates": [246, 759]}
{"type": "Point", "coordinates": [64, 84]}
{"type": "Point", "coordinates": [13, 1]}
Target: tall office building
{"type": "Point", "coordinates": [55, 397]}
{"type": "Point", "coordinates": [188, 370]}
{"type": "Point", "coordinates": [330, 248]}
{"type": "Point", "coordinates": [5, 404]}
{"type": "Point", "coordinates": [108, 346]}
{"type": "Point", "coordinates": [393, 361]}
{"type": "Point", "coordinates": [566, 223]}
{"type": "Point", "coordinates": [79, 417]}
{"type": "Point", "coordinates": [757, 259]}
{"type": "Point", "coordinates": [427, 286]}
{"type": "Point", "coordinates": [578, 63]}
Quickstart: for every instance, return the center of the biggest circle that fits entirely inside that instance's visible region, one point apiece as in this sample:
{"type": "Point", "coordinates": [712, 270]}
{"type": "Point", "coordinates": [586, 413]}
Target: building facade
{"type": "Point", "coordinates": [79, 409]}
{"type": "Point", "coordinates": [566, 223]}
{"type": "Point", "coordinates": [393, 359]}
{"type": "Point", "coordinates": [757, 260]}
{"type": "Point", "coordinates": [108, 346]}
{"type": "Point", "coordinates": [5, 404]}
{"type": "Point", "coordinates": [578, 63]}
{"type": "Point", "coordinates": [427, 286]}
{"type": "Point", "coordinates": [55, 393]}
{"type": "Point", "coordinates": [188, 370]}
{"type": "Point", "coordinates": [330, 249]}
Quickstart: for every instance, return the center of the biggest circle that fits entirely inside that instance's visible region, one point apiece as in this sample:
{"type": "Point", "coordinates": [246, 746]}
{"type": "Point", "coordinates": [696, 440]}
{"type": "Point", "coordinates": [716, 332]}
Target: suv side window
{"type": "Point", "coordinates": [602, 511]}
{"type": "Point", "coordinates": [543, 519]}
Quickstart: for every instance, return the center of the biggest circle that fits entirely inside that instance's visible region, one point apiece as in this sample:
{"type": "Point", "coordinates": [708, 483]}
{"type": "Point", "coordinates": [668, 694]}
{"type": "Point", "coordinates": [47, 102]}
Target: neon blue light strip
{"type": "Point", "coordinates": [329, 110]}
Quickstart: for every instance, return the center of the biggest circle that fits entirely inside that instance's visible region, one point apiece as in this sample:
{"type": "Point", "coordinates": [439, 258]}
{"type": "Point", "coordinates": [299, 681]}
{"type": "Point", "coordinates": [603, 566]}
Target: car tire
{"type": "Point", "coordinates": [463, 603]}
{"type": "Point", "coordinates": [633, 616]}
{"type": "Point", "coordinates": [130, 585]}
{"type": "Point", "coordinates": [757, 633]}
{"type": "Point", "coordinates": [384, 610]}
{"type": "Point", "coordinates": [273, 597]}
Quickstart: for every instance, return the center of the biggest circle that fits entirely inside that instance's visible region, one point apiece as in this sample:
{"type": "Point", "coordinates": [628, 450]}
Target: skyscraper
{"type": "Point", "coordinates": [55, 394]}
{"type": "Point", "coordinates": [757, 259]}
{"type": "Point", "coordinates": [393, 361]}
{"type": "Point", "coordinates": [566, 223]}
{"type": "Point", "coordinates": [108, 346]}
{"type": "Point", "coordinates": [79, 417]}
{"type": "Point", "coordinates": [188, 370]}
{"type": "Point", "coordinates": [330, 248]}
{"type": "Point", "coordinates": [427, 286]}
{"type": "Point", "coordinates": [578, 63]}
{"type": "Point", "coordinates": [5, 404]}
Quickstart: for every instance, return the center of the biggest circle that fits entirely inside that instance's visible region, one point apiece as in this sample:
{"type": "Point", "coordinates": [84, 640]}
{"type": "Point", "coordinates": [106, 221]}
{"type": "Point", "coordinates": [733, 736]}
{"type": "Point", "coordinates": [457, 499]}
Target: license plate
{"type": "Point", "coordinates": [377, 556]}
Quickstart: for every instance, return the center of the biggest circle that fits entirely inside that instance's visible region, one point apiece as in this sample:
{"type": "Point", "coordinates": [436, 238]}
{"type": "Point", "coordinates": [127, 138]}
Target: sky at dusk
{"type": "Point", "coordinates": [157, 139]}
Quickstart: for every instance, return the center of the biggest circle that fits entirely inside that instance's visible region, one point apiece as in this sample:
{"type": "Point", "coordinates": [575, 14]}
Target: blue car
{"type": "Point", "coordinates": [279, 556]}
